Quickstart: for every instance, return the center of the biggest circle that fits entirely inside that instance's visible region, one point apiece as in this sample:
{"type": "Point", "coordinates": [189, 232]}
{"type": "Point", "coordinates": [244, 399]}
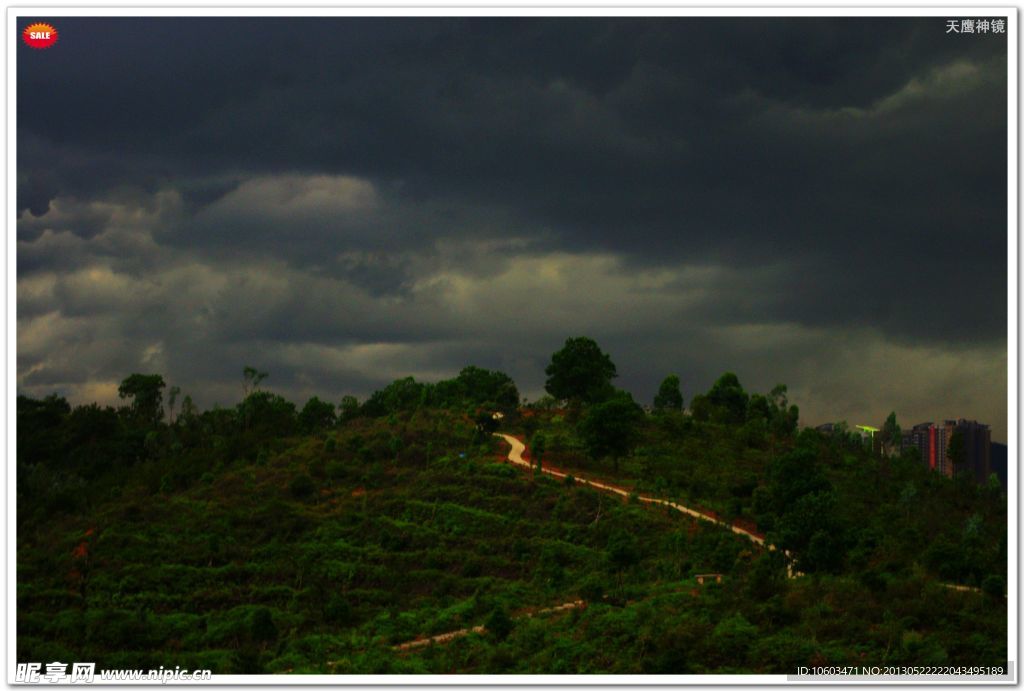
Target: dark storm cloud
{"type": "Point", "coordinates": [831, 174]}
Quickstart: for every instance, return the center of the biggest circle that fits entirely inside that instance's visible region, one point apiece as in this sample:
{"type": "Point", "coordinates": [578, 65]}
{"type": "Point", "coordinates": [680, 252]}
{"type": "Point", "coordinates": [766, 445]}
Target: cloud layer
{"type": "Point", "coordinates": [818, 202]}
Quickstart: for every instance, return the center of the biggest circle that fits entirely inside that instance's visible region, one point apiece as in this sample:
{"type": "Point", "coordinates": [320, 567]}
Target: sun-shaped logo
{"type": "Point", "coordinates": [39, 35]}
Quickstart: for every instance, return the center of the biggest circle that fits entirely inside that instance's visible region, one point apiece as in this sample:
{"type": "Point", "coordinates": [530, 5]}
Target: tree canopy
{"type": "Point", "coordinates": [146, 394]}
{"type": "Point", "coordinates": [474, 387]}
{"type": "Point", "coordinates": [317, 415]}
{"type": "Point", "coordinates": [250, 504]}
{"type": "Point", "coordinates": [580, 372]}
{"type": "Point", "coordinates": [669, 396]}
{"type": "Point", "coordinates": [610, 428]}
{"type": "Point", "coordinates": [729, 399]}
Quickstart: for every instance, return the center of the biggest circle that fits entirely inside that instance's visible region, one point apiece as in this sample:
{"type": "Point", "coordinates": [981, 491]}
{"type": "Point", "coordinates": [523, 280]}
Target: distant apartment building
{"type": "Point", "coordinates": [932, 441]}
{"type": "Point", "coordinates": [977, 447]}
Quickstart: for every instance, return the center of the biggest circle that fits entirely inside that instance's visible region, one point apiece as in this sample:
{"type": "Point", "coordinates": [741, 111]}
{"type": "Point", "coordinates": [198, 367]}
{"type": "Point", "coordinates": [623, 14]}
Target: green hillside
{"type": "Point", "coordinates": [268, 539]}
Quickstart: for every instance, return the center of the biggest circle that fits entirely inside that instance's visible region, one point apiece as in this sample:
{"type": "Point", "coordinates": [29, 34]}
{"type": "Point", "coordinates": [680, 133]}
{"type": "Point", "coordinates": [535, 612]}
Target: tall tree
{"type": "Point", "coordinates": [610, 428]}
{"type": "Point", "coordinates": [892, 435]}
{"type": "Point", "coordinates": [317, 416]}
{"type": "Point", "coordinates": [267, 414]}
{"type": "Point", "coordinates": [784, 417]}
{"type": "Point", "coordinates": [39, 424]}
{"type": "Point", "coordinates": [349, 408]}
{"type": "Point", "coordinates": [146, 394]}
{"type": "Point", "coordinates": [669, 396]}
{"type": "Point", "coordinates": [538, 446]}
{"type": "Point", "coordinates": [188, 408]}
{"type": "Point", "coordinates": [172, 398]}
{"type": "Point", "coordinates": [729, 399]}
{"type": "Point", "coordinates": [580, 373]}
{"type": "Point", "coordinates": [488, 388]}
{"type": "Point", "coordinates": [252, 378]}
{"type": "Point", "coordinates": [401, 394]}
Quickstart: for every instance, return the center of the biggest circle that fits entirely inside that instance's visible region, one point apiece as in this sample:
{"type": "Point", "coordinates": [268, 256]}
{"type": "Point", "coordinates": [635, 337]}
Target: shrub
{"type": "Point", "coordinates": [318, 468]}
{"type": "Point", "coordinates": [592, 590]}
{"type": "Point", "coordinates": [302, 487]}
{"type": "Point", "coordinates": [336, 471]}
{"type": "Point", "coordinates": [499, 624]}
{"type": "Point", "coordinates": [338, 611]}
{"type": "Point", "coordinates": [993, 586]}
{"type": "Point", "coordinates": [413, 455]}
{"type": "Point", "coordinates": [262, 626]}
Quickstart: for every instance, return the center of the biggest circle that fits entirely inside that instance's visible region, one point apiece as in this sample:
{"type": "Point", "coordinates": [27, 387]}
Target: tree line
{"type": "Point", "coordinates": [155, 421]}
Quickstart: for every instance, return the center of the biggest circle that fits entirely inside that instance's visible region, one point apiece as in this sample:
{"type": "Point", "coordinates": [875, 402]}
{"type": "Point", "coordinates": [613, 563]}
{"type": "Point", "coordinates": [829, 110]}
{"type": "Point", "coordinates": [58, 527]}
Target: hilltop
{"type": "Point", "coordinates": [264, 538]}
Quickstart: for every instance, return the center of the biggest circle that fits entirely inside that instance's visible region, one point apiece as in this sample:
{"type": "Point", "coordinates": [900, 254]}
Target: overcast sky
{"type": "Point", "coordinates": [341, 202]}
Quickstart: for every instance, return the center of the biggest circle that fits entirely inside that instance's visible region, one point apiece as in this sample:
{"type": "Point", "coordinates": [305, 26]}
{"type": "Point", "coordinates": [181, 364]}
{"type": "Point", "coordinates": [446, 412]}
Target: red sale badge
{"type": "Point", "coordinates": [39, 35]}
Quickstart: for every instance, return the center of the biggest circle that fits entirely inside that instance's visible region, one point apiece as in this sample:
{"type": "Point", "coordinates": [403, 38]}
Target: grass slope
{"type": "Point", "coordinates": [323, 554]}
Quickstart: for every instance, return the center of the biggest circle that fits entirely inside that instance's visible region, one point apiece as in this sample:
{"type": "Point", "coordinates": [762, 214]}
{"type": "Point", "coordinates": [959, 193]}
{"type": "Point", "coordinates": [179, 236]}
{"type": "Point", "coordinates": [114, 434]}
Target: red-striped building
{"type": "Point", "coordinates": [933, 442]}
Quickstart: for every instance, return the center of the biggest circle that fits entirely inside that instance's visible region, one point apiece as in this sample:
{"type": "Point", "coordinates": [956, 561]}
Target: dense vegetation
{"type": "Point", "coordinates": [268, 538]}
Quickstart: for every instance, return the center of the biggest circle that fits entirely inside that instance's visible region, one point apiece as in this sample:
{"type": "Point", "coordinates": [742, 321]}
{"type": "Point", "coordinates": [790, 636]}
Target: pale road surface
{"type": "Point", "coordinates": [515, 455]}
{"type": "Point", "coordinates": [445, 637]}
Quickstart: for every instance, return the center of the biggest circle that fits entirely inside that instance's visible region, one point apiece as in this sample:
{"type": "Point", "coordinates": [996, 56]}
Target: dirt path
{"type": "Point", "coordinates": [515, 455]}
{"type": "Point", "coordinates": [445, 637]}
{"type": "Point", "coordinates": [439, 638]}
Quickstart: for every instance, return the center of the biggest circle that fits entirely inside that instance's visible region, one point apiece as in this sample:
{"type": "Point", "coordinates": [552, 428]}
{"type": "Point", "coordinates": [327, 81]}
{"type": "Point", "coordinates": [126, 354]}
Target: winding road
{"type": "Point", "coordinates": [515, 456]}
{"type": "Point", "coordinates": [445, 637]}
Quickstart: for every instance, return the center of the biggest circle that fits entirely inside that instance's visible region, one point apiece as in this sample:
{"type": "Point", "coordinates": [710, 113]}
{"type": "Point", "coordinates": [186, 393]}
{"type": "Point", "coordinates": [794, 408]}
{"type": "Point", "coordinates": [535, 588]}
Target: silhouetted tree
{"type": "Point", "coordinates": [484, 387]}
{"type": "Point", "coordinates": [537, 445]}
{"type": "Point", "coordinates": [349, 408]}
{"type": "Point", "coordinates": [316, 416]}
{"type": "Point", "coordinates": [172, 398]}
{"type": "Point", "coordinates": [728, 399]}
{"type": "Point", "coordinates": [188, 408]}
{"type": "Point", "coordinates": [252, 378]}
{"type": "Point", "coordinates": [401, 394]}
{"type": "Point", "coordinates": [701, 408]}
{"type": "Point", "coordinates": [892, 435]}
{"type": "Point", "coordinates": [669, 396]}
{"type": "Point", "coordinates": [39, 424]}
{"type": "Point", "coordinates": [580, 372]}
{"type": "Point", "coordinates": [784, 417]}
{"type": "Point", "coordinates": [146, 394]}
{"type": "Point", "coordinates": [611, 428]}
{"type": "Point", "coordinates": [267, 414]}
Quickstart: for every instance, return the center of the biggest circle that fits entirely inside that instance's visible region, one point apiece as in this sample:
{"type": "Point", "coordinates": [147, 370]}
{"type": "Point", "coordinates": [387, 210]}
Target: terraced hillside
{"type": "Point", "coordinates": [397, 538]}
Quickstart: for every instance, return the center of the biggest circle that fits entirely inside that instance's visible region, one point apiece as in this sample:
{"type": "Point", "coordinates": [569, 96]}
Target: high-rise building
{"type": "Point", "coordinates": [933, 442]}
{"type": "Point", "coordinates": [977, 448]}
{"type": "Point", "coordinates": [998, 462]}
